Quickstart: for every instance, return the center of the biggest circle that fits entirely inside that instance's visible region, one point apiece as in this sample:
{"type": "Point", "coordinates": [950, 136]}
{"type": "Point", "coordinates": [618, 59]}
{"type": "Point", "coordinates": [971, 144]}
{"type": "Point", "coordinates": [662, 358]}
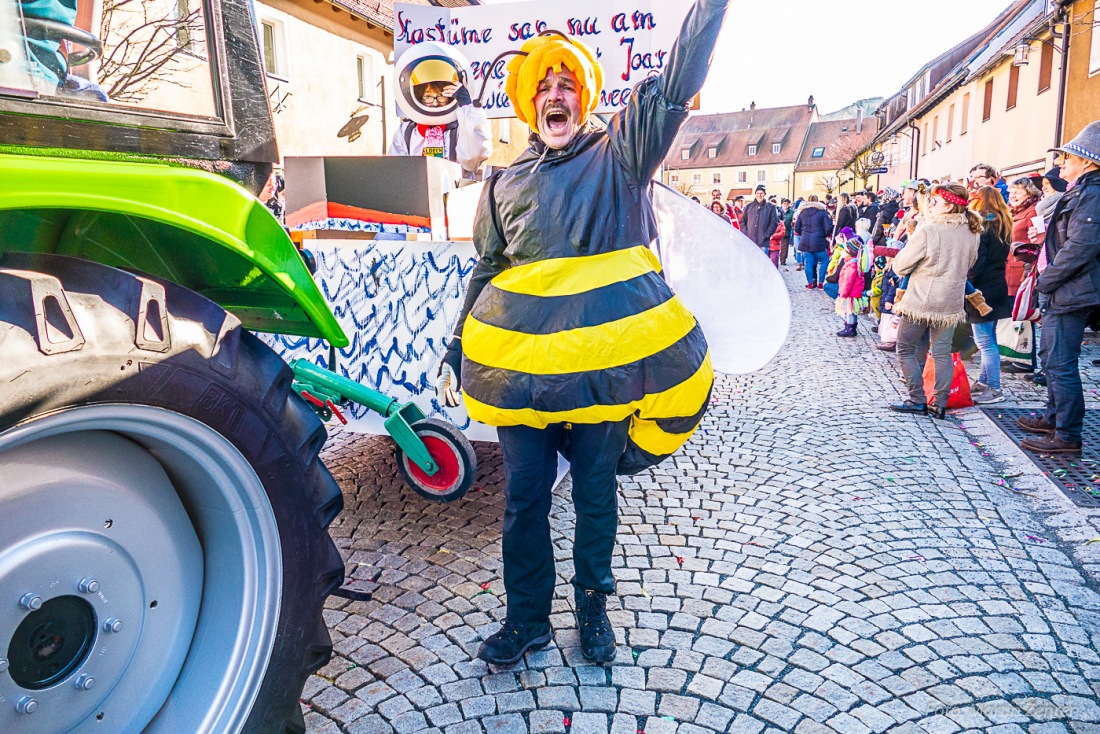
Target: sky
{"type": "Point", "coordinates": [779, 52]}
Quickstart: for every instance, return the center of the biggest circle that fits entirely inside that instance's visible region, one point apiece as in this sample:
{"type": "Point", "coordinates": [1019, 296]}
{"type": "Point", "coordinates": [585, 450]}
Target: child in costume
{"type": "Point", "coordinates": [850, 300]}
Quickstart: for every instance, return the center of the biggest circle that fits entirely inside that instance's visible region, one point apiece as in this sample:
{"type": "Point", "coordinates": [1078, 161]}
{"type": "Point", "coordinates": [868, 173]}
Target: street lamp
{"type": "Point", "coordinates": [1022, 54]}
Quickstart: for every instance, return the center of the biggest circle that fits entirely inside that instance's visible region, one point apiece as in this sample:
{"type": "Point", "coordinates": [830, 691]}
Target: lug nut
{"type": "Point", "coordinates": [31, 602]}
{"type": "Point", "coordinates": [88, 585]}
{"type": "Point", "coordinates": [112, 625]}
{"type": "Point", "coordinates": [84, 682]}
{"type": "Point", "coordinates": [3, 665]}
{"type": "Point", "coordinates": [26, 705]}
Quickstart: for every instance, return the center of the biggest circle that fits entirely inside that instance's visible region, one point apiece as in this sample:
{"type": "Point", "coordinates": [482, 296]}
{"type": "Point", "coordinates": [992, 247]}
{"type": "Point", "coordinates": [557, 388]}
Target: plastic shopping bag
{"type": "Point", "coordinates": [888, 328]}
{"type": "Point", "coordinates": [959, 396]}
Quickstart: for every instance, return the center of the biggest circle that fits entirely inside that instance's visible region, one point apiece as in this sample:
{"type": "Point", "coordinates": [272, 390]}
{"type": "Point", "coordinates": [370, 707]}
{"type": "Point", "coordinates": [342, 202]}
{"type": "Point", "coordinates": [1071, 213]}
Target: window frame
{"type": "Point", "coordinates": [987, 100]}
{"type": "Point", "coordinates": [777, 148]}
{"type": "Point", "coordinates": [742, 177]}
{"type": "Point", "coordinates": [815, 153]}
{"type": "Point", "coordinates": [278, 48]}
{"type": "Point", "coordinates": [716, 178]}
{"type": "Point", "coordinates": [752, 150]}
{"type": "Point", "coordinates": [365, 92]}
{"type": "Point", "coordinates": [235, 132]}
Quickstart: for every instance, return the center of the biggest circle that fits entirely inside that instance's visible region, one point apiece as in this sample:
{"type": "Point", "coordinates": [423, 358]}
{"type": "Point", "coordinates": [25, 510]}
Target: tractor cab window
{"type": "Point", "coordinates": [136, 55]}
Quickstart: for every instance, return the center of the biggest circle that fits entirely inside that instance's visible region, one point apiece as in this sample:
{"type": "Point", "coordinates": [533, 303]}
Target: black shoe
{"type": "Point", "coordinates": [1035, 424]}
{"type": "Point", "coordinates": [1011, 368]}
{"type": "Point", "coordinates": [597, 637]}
{"type": "Point", "coordinates": [910, 407]}
{"type": "Point", "coordinates": [874, 329]}
{"type": "Point", "coordinates": [888, 347]}
{"type": "Point", "coordinates": [937, 411]}
{"type": "Point", "coordinates": [1096, 363]}
{"type": "Point", "coordinates": [507, 646]}
{"type": "Point", "coordinates": [1051, 445]}
{"type": "Point", "coordinates": [1038, 378]}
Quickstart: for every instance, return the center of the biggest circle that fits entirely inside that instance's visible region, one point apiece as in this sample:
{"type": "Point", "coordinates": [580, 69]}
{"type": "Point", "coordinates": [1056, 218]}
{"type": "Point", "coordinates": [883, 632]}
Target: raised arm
{"type": "Point", "coordinates": [643, 133]}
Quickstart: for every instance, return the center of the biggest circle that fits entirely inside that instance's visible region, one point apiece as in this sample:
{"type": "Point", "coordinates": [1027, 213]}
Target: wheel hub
{"type": "Point", "coordinates": [52, 642]}
{"type": "Point", "coordinates": [64, 575]}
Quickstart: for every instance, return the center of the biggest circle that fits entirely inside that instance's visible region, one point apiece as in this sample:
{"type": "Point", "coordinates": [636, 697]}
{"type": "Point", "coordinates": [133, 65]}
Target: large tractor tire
{"type": "Point", "coordinates": [164, 552]}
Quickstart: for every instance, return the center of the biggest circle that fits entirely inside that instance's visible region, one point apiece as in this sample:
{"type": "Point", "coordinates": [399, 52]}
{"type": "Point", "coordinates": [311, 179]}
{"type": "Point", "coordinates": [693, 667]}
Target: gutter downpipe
{"type": "Point", "coordinates": [914, 158]}
{"type": "Point", "coordinates": [1060, 119]}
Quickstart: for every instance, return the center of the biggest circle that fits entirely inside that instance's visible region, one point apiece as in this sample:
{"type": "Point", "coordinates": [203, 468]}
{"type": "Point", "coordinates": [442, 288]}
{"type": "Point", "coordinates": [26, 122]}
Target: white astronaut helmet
{"type": "Point", "coordinates": [425, 68]}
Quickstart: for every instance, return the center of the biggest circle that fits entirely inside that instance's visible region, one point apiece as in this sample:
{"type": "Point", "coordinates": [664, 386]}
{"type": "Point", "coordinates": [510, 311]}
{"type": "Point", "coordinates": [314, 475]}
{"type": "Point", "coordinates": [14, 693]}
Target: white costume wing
{"type": "Point", "coordinates": [724, 279]}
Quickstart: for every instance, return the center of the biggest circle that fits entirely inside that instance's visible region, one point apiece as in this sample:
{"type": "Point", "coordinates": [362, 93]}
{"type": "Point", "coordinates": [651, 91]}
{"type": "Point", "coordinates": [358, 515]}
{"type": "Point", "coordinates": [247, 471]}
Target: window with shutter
{"type": "Point", "coordinates": [1013, 86]}
{"type": "Point", "coordinates": [987, 105]}
{"type": "Point", "coordinates": [1046, 67]}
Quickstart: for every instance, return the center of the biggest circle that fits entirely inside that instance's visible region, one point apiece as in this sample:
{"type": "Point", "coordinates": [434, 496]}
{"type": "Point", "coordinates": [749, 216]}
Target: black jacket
{"type": "Point", "coordinates": [887, 215]}
{"type": "Point", "coordinates": [759, 222]}
{"type": "Point", "coordinates": [813, 226]}
{"type": "Point", "coordinates": [845, 217]}
{"type": "Point", "coordinates": [1071, 282]}
{"type": "Point", "coordinates": [869, 213]}
{"type": "Point", "coordinates": [988, 276]}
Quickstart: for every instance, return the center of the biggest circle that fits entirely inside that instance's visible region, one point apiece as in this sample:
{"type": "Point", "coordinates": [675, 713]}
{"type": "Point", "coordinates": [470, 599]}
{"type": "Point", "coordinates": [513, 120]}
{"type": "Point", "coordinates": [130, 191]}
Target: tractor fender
{"type": "Point", "coordinates": [189, 226]}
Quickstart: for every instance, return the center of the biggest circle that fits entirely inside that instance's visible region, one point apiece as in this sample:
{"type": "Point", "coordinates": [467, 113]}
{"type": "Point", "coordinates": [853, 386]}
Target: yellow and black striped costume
{"type": "Point", "coordinates": [588, 340]}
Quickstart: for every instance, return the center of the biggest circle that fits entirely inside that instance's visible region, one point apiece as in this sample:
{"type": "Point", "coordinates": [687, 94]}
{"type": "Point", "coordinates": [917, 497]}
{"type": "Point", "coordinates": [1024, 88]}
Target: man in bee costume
{"type": "Point", "coordinates": [570, 339]}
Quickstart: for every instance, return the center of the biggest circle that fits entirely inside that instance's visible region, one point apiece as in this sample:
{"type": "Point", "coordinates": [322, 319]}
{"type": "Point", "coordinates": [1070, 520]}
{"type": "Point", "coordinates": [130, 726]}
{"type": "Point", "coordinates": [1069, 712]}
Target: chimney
{"type": "Point", "coordinates": [811, 102]}
{"type": "Point", "coordinates": [752, 114]}
{"type": "Point", "coordinates": [859, 122]}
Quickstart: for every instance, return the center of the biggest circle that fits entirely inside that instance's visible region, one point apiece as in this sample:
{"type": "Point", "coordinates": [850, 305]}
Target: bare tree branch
{"type": "Point", "coordinates": [150, 54]}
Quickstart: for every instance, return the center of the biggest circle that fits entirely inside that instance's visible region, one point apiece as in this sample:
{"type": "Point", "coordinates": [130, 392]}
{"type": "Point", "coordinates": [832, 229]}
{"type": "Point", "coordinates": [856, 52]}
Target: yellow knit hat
{"type": "Point", "coordinates": [541, 54]}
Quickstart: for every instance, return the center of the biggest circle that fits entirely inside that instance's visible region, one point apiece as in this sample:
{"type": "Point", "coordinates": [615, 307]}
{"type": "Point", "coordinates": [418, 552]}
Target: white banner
{"type": "Point", "coordinates": [631, 38]}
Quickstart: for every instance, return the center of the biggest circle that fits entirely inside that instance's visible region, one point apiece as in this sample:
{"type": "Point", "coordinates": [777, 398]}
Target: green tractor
{"type": "Point", "coordinates": [164, 514]}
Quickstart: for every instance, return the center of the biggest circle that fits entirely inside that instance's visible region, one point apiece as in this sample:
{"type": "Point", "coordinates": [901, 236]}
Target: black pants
{"type": "Point", "coordinates": [530, 466]}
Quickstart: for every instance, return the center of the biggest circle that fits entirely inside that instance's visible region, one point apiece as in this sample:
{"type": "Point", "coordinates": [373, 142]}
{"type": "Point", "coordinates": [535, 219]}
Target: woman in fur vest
{"type": "Point", "coordinates": [939, 254]}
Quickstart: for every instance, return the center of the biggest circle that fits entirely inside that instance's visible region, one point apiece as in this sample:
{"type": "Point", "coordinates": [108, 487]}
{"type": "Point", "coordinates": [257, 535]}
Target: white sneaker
{"type": "Point", "coordinates": [989, 396]}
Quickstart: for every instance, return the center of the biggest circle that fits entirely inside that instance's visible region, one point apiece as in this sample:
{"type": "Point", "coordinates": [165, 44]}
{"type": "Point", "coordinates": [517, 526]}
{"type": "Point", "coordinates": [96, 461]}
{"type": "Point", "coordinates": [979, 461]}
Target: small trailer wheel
{"type": "Point", "coordinates": [451, 451]}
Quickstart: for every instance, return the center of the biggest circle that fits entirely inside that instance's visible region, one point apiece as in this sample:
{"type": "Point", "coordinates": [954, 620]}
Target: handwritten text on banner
{"type": "Point", "coordinates": [631, 39]}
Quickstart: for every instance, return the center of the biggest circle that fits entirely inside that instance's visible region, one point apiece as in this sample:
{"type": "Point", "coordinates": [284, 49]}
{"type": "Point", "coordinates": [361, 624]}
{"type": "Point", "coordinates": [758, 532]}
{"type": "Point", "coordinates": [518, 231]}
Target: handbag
{"type": "Point", "coordinates": [1026, 307]}
{"type": "Point", "coordinates": [1015, 340]}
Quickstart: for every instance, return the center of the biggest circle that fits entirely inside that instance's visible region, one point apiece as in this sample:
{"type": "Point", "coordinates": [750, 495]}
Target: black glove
{"type": "Point", "coordinates": [462, 96]}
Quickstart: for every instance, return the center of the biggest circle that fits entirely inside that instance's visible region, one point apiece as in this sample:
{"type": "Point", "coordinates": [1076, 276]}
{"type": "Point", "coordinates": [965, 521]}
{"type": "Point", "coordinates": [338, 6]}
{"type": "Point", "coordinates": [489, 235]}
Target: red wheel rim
{"type": "Point", "coordinates": [448, 461]}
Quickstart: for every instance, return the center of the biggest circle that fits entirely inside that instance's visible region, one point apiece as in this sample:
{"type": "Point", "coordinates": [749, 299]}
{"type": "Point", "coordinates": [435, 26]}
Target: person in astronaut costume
{"type": "Point", "coordinates": [570, 340]}
{"type": "Point", "coordinates": [442, 121]}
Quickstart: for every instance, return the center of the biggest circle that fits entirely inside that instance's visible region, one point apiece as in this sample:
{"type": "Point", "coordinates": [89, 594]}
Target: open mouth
{"type": "Point", "coordinates": [557, 121]}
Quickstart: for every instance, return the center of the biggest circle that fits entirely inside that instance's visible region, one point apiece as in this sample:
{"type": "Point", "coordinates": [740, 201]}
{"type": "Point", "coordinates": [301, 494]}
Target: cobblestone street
{"type": "Point", "coordinates": [810, 562]}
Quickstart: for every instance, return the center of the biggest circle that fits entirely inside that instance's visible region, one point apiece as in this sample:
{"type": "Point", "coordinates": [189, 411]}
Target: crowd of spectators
{"type": "Point", "coordinates": [938, 267]}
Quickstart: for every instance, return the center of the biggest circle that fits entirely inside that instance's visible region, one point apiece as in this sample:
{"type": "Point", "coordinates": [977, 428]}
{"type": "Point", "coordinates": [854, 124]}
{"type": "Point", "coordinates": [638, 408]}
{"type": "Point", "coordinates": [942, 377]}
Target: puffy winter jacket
{"type": "Point", "coordinates": [569, 320]}
{"type": "Point", "coordinates": [1072, 279]}
{"type": "Point", "coordinates": [813, 226]}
